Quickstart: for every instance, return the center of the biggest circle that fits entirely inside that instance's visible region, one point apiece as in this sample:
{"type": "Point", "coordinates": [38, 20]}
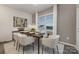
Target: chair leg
{"type": "Point", "coordinates": [16, 45]}
{"type": "Point", "coordinates": [42, 49]}
{"type": "Point", "coordinates": [33, 46]}
{"type": "Point", "coordinates": [14, 42]}
{"type": "Point", "coordinates": [53, 51]}
{"type": "Point", "coordinates": [49, 50]}
{"type": "Point", "coordinates": [23, 50]}
{"type": "Point", "coordinates": [57, 49]}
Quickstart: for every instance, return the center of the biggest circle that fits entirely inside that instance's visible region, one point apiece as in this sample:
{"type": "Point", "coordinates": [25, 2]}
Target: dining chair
{"type": "Point", "coordinates": [25, 40]}
{"type": "Point", "coordinates": [51, 42]}
{"type": "Point", "coordinates": [16, 39]}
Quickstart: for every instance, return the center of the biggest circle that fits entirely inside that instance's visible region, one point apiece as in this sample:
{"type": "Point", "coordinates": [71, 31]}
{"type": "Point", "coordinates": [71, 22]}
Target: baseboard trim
{"type": "Point", "coordinates": [64, 43]}
{"type": "Point", "coordinates": [6, 41]}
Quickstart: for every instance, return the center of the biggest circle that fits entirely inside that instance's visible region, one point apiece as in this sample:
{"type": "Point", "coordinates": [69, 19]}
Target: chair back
{"type": "Point", "coordinates": [56, 37]}
{"type": "Point", "coordinates": [50, 42]}
{"type": "Point", "coordinates": [16, 36]}
{"type": "Point", "coordinates": [25, 40]}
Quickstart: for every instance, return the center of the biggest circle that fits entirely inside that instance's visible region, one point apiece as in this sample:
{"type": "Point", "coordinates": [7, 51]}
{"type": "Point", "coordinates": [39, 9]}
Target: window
{"type": "Point", "coordinates": [45, 23]}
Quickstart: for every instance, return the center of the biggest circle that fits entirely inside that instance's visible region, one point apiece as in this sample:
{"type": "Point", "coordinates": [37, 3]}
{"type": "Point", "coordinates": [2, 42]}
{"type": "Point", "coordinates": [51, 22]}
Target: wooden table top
{"type": "Point", "coordinates": [34, 34]}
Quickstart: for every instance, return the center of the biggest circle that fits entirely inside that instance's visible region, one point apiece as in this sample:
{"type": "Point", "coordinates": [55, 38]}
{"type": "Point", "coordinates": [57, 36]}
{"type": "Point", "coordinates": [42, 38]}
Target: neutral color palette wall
{"type": "Point", "coordinates": [6, 21]}
{"type": "Point", "coordinates": [67, 23]}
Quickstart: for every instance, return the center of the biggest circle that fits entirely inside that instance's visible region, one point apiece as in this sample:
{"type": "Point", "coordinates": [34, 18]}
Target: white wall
{"type": "Point", "coordinates": [55, 19]}
{"type": "Point", "coordinates": [77, 27]}
{"type": "Point", "coordinates": [47, 11]}
{"type": "Point", "coordinates": [6, 21]}
{"type": "Point", "coordinates": [66, 20]}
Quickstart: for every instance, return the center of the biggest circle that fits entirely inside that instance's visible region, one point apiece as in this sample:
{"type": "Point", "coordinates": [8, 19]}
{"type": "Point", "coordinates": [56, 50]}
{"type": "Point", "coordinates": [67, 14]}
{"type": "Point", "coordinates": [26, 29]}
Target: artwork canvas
{"type": "Point", "coordinates": [19, 22]}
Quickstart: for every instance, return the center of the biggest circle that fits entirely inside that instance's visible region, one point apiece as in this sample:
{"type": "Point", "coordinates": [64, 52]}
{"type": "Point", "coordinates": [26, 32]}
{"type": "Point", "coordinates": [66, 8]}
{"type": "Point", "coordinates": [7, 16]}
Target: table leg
{"type": "Point", "coordinates": [38, 46]}
{"type": "Point", "coordinates": [12, 36]}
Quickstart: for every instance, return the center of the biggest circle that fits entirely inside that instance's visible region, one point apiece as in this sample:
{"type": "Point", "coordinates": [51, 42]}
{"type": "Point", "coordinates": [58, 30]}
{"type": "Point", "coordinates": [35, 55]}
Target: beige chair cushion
{"type": "Point", "coordinates": [25, 40]}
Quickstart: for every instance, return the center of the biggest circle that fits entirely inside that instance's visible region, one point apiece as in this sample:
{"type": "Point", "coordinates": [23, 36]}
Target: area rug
{"type": "Point", "coordinates": [1, 48]}
{"type": "Point", "coordinates": [70, 50]}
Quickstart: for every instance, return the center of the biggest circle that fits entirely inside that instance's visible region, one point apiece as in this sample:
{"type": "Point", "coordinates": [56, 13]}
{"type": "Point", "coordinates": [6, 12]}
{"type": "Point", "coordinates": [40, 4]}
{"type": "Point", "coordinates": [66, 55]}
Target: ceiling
{"type": "Point", "coordinates": [30, 8]}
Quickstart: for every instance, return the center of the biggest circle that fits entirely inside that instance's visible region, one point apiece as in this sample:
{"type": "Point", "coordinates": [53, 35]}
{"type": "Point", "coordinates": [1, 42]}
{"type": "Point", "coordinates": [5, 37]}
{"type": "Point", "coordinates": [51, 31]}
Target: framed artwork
{"type": "Point", "coordinates": [19, 22]}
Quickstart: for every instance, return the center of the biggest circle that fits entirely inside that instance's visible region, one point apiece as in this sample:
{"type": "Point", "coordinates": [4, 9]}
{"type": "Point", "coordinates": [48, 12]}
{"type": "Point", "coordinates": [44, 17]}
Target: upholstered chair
{"type": "Point", "coordinates": [51, 42]}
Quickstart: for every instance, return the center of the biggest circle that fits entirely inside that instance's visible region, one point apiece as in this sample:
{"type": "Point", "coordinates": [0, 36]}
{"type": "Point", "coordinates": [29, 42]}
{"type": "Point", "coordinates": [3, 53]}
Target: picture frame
{"type": "Point", "coordinates": [19, 22]}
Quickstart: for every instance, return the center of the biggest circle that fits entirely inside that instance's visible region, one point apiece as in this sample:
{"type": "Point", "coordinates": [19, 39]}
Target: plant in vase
{"type": "Point", "coordinates": [33, 30]}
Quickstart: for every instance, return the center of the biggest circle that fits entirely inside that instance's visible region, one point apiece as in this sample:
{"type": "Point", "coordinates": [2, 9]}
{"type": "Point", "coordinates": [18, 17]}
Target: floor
{"type": "Point", "coordinates": [11, 49]}
{"type": "Point", "coordinates": [70, 50]}
{"type": "Point", "coordinates": [1, 48]}
{"type": "Point", "coordinates": [64, 48]}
